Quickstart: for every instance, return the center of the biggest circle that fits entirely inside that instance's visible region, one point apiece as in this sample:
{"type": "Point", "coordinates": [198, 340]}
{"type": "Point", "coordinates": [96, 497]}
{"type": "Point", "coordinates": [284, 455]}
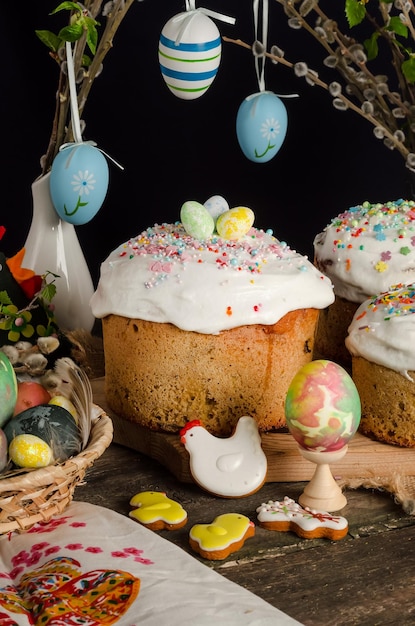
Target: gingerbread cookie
{"type": "Point", "coordinates": [305, 522]}
{"type": "Point", "coordinates": [156, 511]}
{"type": "Point", "coordinates": [226, 534]}
{"type": "Point", "coordinates": [230, 467]}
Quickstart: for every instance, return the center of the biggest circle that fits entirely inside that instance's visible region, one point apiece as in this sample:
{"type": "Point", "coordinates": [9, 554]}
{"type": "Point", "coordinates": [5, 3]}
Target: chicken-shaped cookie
{"type": "Point", "coordinates": [230, 467]}
{"type": "Point", "coordinates": [226, 534]}
{"type": "Point", "coordinates": [156, 511]}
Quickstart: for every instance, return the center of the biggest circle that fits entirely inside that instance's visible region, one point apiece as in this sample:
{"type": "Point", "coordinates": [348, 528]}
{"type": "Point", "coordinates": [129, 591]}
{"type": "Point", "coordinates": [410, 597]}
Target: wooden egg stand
{"type": "Point", "coordinates": [364, 458]}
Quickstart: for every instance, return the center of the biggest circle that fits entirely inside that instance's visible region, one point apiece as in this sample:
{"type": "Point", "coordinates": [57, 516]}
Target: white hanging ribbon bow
{"type": "Point", "coordinates": [191, 12]}
{"type": "Point", "coordinates": [76, 124]}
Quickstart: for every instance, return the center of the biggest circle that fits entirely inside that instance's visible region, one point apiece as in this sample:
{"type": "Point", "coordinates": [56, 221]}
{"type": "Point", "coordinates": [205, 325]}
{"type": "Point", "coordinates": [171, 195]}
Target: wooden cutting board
{"type": "Point", "coordinates": [364, 459]}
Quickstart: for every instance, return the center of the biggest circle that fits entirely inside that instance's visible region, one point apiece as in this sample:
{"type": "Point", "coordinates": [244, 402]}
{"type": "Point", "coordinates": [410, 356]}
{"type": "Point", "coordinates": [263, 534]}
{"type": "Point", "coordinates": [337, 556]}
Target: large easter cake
{"type": "Point", "coordinates": [364, 251]}
{"type": "Point", "coordinates": [381, 340]}
{"type": "Point", "coordinates": [208, 318]}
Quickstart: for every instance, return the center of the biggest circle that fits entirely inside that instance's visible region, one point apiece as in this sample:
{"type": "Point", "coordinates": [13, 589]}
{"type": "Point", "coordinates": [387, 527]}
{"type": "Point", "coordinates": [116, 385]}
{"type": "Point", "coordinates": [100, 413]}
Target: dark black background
{"type": "Point", "coordinates": [174, 150]}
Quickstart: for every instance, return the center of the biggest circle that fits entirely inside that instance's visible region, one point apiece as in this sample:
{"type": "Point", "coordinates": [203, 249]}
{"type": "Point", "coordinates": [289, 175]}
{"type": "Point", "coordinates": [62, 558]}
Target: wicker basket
{"type": "Point", "coordinates": [38, 495]}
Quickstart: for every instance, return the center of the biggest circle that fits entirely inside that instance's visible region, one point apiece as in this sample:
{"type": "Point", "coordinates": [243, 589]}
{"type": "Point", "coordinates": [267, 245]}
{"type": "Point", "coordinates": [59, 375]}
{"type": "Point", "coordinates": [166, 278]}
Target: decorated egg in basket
{"type": "Point", "coordinates": [261, 126]}
{"type": "Point", "coordinates": [8, 389]}
{"type": "Point", "coordinates": [51, 423]}
{"type": "Point", "coordinates": [322, 407]}
{"type": "Point", "coordinates": [189, 54]}
{"type": "Point", "coordinates": [78, 182]}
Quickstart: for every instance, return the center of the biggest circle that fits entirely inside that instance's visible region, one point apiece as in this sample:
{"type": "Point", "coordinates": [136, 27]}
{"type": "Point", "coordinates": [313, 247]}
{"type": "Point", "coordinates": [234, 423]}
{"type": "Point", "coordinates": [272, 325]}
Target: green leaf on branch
{"type": "Point", "coordinates": [408, 69]}
{"type": "Point", "coordinates": [68, 6]}
{"type": "Point", "coordinates": [4, 298]}
{"type": "Point", "coordinates": [92, 34]}
{"type": "Point", "coordinates": [355, 12]}
{"type": "Point", "coordinates": [71, 33]}
{"type": "Point", "coordinates": [397, 26]}
{"type": "Point", "coordinates": [48, 292]}
{"type": "Point", "coordinates": [50, 40]}
{"type": "Point", "coordinates": [371, 46]}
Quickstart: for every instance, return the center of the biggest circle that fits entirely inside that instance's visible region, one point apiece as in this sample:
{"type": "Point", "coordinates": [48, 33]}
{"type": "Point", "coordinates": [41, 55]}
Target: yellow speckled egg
{"type": "Point", "coordinates": [65, 403]}
{"type": "Point", "coordinates": [30, 451]}
{"type": "Point", "coordinates": [235, 223]}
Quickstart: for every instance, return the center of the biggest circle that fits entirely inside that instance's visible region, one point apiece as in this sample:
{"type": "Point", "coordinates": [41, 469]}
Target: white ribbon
{"type": "Point", "coordinates": [260, 58]}
{"type": "Point", "coordinates": [191, 12]}
{"type": "Point", "coordinates": [76, 144]}
{"type": "Point", "coordinates": [76, 124]}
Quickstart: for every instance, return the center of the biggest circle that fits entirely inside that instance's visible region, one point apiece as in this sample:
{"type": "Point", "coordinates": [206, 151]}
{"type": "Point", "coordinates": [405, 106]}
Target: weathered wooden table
{"type": "Point", "coordinates": [367, 578]}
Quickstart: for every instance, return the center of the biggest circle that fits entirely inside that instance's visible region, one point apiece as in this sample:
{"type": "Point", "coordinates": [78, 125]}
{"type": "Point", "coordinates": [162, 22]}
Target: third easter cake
{"type": "Point", "coordinates": [381, 340]}
{"type": "Point", "coordinates": [364, 250]}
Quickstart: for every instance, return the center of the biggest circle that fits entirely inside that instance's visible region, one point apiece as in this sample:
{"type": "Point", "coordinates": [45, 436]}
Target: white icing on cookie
{"type": "Point", "coordinates": [288, 510]}
{"type": "Point", "coordinates": [230, 467]}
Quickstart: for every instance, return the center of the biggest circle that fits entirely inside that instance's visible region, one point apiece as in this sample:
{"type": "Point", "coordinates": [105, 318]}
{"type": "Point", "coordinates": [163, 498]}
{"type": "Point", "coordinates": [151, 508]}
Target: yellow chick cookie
{"type": "Point", "coordinates": [156, 511]}
{"type": "Point", "coordinates": [226, 534]}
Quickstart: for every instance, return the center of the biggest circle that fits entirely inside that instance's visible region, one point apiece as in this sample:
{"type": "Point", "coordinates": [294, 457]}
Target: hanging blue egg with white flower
{"type": "Point", "coordinates": [78, 182]}
{"type": "Point", "coordinates": [189, 54]}
{"type": "Point", "coordinates": [261, 126]}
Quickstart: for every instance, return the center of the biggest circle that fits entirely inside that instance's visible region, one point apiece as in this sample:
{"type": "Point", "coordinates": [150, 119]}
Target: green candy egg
{"type": "Point", "coordinates": [196, 220]}
{"type": "Point", "coordinates": [8, 389]}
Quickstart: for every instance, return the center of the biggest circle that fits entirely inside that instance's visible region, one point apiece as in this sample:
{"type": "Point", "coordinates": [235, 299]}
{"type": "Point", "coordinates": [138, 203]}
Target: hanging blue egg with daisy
{"type": "Point", "coordinates": [261, 126]}
{"type": "Point", "coordinates": [78, 182]}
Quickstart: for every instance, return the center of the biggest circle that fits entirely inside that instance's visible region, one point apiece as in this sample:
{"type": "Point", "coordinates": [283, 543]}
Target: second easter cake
{"type": "Point", "coordinates": [209, 327]}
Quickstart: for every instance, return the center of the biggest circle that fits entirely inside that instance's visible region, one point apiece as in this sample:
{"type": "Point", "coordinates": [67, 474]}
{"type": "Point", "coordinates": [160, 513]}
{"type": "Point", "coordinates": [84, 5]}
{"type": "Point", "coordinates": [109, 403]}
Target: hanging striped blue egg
{"type": "Point", "coordinates": [78, 182]}
{"type": "Point", "coordinates": [189, 54]}
{"type": "Point", "coordinates": [261, 126]}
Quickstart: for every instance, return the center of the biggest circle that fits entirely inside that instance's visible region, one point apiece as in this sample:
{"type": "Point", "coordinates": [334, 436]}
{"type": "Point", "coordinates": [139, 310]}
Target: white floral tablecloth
{"type": "Point", "coordinates": [92, 566]}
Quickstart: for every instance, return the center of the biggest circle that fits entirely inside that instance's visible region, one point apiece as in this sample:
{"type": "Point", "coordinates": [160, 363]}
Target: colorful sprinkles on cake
{"type": "Point", "coordinates": [390, 221]}
{"type": "Point", "coordinates": [166, 244]}
{"type": "Point", "coordinates": [399, 301]}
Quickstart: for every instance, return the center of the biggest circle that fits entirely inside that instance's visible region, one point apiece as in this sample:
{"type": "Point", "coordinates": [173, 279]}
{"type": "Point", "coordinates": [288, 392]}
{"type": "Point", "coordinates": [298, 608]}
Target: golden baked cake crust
{"type": "Point", "coordinates": [388, 403]}
{"type": "Point", "coordinates": [331, 332]}
{"type": "Point", "coordinates": [161, 377]}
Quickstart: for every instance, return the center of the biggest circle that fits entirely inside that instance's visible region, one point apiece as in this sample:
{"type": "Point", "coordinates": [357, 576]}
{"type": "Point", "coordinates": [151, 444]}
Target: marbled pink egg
{"type": "Point", "coordinates": [322, 407]}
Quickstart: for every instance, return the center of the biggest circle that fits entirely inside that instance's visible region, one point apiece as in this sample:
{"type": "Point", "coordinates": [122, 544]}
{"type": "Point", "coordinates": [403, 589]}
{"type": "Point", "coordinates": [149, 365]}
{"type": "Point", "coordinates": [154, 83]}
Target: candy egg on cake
{"type": "Point", "coordinates": [323, 413]}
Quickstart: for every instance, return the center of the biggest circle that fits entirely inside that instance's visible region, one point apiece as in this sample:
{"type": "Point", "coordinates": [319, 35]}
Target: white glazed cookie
{"type": "Point", "coordinates": [230, 467]}
{"type": "Point", "coordinates": [288, 515]}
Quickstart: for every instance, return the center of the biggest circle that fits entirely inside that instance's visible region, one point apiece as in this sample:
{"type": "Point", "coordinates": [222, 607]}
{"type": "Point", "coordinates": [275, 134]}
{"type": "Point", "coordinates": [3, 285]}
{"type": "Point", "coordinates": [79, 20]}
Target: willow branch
{"type": "Point", "coordinates": [315, 80]}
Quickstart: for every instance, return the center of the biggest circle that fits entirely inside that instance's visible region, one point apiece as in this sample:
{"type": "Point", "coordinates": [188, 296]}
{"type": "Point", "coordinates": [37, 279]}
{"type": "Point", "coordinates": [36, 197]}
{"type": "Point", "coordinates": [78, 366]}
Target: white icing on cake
{"type": "Point", "coordinates": [288, 510]}
{"type": "Point", "coordinates": [383, 329]}
{"type": "Point", "coordinates": [164, 275]}
{"type": "Point", "coordinates": [368, 248]}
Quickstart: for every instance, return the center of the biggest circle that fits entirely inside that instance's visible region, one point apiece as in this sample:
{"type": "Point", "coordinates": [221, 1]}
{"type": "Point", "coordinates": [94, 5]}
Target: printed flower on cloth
{"type": "Point", "coordinates": [92, 567]}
